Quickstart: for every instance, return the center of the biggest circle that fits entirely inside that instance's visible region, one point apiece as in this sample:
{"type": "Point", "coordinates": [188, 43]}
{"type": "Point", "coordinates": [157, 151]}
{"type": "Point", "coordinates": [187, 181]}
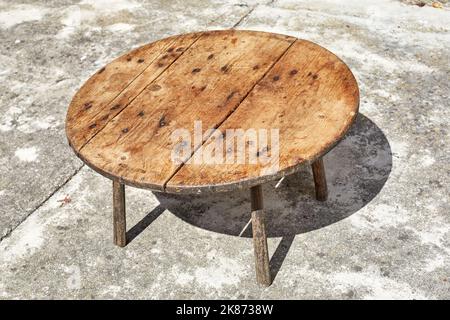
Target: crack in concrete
{"type": "Point", "coordinates": [244, 17]}
{"type": "Point", "coordinates": [59, 187]}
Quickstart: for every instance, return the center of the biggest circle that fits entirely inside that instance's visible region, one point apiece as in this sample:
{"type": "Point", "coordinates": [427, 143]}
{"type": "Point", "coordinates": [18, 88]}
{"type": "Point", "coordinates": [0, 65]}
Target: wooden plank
{"type": "Point", "coordinates": [310, 95]}
{"type": "Point", "coordinates": [261, 251]}
{"type": "Point", "coordinates": [206, 83]}
{"type": "Point", "coordinates": [119, 214]}
{"type": "Point", "coordinates": [256, 197]}
{"type": "Point", "coordinates": [113, 87]}
{"type": "Point", "coordinates": [262, 266]}
{"type": "Point", "coordinates": [320, 181]}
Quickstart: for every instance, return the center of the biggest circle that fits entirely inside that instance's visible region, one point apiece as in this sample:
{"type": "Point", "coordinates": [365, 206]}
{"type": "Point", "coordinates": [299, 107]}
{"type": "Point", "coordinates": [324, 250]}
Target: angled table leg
{"type": "Point", "coordinates": [119, 218]}
{"type": "Point", "coordinates": [320, 180]}
{"type": "Point", "coordinates": [259, 237]}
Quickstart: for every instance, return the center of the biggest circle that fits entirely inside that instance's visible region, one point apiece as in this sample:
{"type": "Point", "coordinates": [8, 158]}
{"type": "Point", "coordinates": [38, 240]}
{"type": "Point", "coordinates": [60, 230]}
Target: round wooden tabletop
{"type": "Point", "coordinates": [144, 118]}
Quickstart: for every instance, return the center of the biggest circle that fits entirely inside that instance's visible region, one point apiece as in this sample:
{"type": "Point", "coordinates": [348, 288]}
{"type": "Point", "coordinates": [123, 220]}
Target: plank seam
{"type": "Point", "coordinates": [146, 86]}
{"type": "Point", "coordinates": [129, 84]}
{"type": "Point", "coordinates": [229, 113]}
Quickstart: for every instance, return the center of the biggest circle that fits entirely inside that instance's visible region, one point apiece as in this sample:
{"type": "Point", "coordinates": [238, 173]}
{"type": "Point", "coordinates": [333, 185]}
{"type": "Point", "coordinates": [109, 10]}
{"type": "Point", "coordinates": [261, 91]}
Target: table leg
{"type": "Point", "coordinates": [320, 180]}
{"type": "Point", "coordinates": [259, 237]}
{"type": "Point", "coordinates": [119, 218]}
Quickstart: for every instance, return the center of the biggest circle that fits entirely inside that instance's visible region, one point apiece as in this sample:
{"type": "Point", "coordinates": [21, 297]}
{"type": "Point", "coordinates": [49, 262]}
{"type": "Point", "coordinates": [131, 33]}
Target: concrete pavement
{"type": "Point", "coordinates": [383, 233]}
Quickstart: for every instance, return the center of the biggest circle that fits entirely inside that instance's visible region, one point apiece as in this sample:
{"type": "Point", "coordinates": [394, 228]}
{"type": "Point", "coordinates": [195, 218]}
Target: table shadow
{"type": "Point", "coordinates": [356, 170]}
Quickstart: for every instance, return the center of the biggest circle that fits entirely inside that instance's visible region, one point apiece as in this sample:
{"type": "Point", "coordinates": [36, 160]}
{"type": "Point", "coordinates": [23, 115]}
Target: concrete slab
{"type": "Point", "coordinates": [384, 233]}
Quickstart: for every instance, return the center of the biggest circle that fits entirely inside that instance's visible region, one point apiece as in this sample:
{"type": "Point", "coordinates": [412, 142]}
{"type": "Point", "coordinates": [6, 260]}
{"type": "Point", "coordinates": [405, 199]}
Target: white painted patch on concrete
{"type": "Point", "coordinates": [427, 160]}
{"type": "Point", "coordinates": [71, 21]}
{"type": "Point", "coordinates": [28, 238]}
{"type": "Point", "coordinates": [111, 6]}
{"type": "Point", "coordinates": [29, 154]}
{"type": "Point", "coordinates": [381, 216]}
{"type": "Point", "coordinates": [17, 119]}
{"type": "Point", "coordinates": [434, 263]}
{"type": "Point", "coordinates": [370, 60]}
{"type": "Point", "coordinates": [379, 287]}
{"type": "Point", "coordinates": [373, 13]}
{"type": "Point", "coordinates": [221, 271]}
{"type": "Point", "coordinates": [120, 27]}
{"type": "Point", "coordinates": [289, 17]}
{"type": "Point", "coordinates": [31, 125]}
{"type": "Point", "coordinates": [3, 292]}
{"type": "Point", "coordinates": [387, 94]}
{"type": "Point", "coordinates": [183, 278]}
{"type": "Point", "coordinates": [112, 290]}
{"type": "Point", "coordinates": [8, 117]}
{"type": "Point", "coordinates": [20, 13]}
{"type": "Point", "coordinates": [87, 13]}
{"type": "Point", "coordinates": [435, 235]}
{"type": "Point", "coordinates": [4, 72]}
{"type": "Point", "coordinates": [399, 149]}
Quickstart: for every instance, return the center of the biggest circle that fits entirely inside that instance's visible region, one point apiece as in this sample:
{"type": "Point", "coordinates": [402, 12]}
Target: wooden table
{"type": "Point", "coordinates": [122, 121]}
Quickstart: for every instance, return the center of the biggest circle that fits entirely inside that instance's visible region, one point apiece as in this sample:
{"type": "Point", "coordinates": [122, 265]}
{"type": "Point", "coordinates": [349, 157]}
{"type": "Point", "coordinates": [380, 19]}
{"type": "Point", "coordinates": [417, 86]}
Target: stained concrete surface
{"type": "Point", "coordinates": [384, 232]}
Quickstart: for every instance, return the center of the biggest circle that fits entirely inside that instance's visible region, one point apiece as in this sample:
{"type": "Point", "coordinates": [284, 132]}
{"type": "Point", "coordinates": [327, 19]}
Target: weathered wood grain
{"type": "Point", "coordinates": [259, 237]}
{"type": "Point", "coordinates": [320, 181]}
{"type": "Point", "coordinates": [262, 266]}
{"type": "Point", "coordinates": [113, 87]}
{"type": "Point", "coordinates": [309, 95]}
{"type": "Point", "coordinates": [206, 83]}
{"type": "Point", "coordinates": [119, 214]}
{"type": "Point", "coordinates": [256, 198]}
{"type": "Point", "coordinates": [120, 122]}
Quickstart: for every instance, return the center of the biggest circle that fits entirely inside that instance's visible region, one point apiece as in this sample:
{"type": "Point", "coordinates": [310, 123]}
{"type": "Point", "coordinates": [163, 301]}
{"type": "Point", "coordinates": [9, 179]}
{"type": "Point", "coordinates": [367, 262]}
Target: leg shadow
{"type": "Point", "coordinates": [144, 223]}
{"type": "Point", "coordinates": [280, 254]}
{"type": "Point", "coordinates": [356, 170]}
